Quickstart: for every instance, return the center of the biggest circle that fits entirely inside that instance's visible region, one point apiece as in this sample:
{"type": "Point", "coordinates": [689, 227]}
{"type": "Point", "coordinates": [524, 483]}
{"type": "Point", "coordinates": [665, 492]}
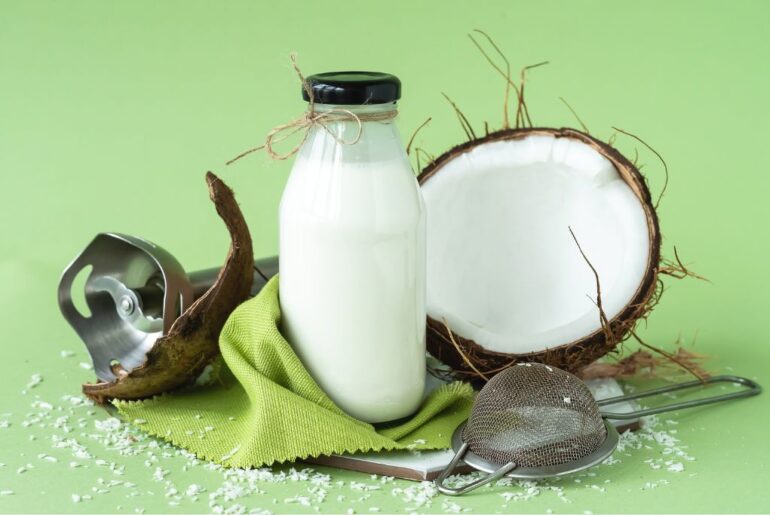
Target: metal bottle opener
{"type": "Point", "coordinates": [134, 291]}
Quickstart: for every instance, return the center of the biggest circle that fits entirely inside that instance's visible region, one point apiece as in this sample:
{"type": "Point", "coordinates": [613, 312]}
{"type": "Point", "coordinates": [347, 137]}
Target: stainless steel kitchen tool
{"type": "Point", "coordinates": [533, 421]}
{"type": "Point", "coordinates": [134, 291]}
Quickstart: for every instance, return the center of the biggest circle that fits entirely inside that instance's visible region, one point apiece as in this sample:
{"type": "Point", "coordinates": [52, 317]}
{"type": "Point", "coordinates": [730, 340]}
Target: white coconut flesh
{"type": "Point", "coordinates": [503, 269]}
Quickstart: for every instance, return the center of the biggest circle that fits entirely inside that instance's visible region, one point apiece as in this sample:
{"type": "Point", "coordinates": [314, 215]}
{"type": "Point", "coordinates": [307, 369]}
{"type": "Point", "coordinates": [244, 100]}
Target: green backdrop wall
{"type": "Point", "coordinates": [111, 112]}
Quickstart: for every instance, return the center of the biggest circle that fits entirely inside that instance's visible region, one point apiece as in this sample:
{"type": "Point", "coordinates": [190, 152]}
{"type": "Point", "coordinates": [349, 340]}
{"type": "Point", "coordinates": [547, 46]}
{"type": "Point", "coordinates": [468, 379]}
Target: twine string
{"type": "Point", "coordinates": [311, 118]}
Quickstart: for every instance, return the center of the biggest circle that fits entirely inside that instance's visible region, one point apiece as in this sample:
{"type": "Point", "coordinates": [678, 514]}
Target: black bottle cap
{"type": "Point", "coordinates": [353, 88]}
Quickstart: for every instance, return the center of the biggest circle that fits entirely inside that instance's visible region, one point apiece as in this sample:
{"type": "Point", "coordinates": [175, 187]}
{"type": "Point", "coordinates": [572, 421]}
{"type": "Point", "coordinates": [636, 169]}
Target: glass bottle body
{"type": "Point", "coordinates": [352, 263]}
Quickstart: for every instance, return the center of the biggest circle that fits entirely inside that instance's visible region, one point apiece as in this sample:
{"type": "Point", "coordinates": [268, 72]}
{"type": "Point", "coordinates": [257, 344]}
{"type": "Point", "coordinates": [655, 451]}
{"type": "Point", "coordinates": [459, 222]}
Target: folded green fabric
{"type": "Point", "coordinates": [265, 407]}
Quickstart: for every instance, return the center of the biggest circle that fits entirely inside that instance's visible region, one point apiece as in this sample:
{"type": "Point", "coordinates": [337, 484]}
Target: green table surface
{"type": "Point", "coordinates": [111, 112]}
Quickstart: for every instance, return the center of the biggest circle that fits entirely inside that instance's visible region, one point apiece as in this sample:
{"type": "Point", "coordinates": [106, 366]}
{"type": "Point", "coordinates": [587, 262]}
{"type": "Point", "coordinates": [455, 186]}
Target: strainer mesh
{"type": "Point", "coordinates": [535, 416]}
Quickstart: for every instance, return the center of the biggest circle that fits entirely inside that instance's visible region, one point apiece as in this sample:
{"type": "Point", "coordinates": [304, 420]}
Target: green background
{"type": "Point", "coordinates": [111, 112]}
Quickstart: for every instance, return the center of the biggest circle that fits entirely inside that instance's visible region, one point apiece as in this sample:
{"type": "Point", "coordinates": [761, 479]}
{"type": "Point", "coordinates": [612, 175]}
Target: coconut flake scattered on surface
{"type": "Point", "coordinates": [34, 381]}
{"type": "Point", "coordinates": [78, 436]}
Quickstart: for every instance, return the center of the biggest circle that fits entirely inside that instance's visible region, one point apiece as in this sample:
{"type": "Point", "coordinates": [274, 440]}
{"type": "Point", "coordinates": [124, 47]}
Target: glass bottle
{"type": "Point", "coordinates": [352, 251]}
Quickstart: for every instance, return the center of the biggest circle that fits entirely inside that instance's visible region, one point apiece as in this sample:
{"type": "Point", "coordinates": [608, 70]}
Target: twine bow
{"type": "Point", "coordinates": [308, 120]}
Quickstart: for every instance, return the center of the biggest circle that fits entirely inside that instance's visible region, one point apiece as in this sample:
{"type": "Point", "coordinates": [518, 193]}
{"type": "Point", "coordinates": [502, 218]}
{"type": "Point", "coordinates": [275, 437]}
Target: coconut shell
{"type": "Point", "coordinates": [467, 358]}
{"type": "Point", "coordinates": [180, 356]}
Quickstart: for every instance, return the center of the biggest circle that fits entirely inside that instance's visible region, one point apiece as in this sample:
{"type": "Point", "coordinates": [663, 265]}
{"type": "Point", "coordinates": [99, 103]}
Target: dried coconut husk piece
{"type": "Point", "coordinates": [180, 356]}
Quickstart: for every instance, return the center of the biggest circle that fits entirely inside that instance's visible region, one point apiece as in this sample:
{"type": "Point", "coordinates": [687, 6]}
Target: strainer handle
{"type": "Point", "coordinates": [752, 388]}
{"type": "Point", "coordinates": [497, 474]}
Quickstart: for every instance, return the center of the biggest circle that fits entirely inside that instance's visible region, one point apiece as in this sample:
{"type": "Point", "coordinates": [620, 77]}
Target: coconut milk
{"type": "Point", "coordinates": [352, 272]}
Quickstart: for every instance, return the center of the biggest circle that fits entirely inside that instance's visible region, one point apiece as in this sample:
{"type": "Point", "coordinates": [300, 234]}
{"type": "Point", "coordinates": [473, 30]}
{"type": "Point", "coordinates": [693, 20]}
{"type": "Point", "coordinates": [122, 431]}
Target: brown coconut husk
{"type": "Point", "coordinates": [643, 363]}
{"type": "Point", "coordinates": [468, 359]}
{"type": "Point", "coordinates": [179, 357]}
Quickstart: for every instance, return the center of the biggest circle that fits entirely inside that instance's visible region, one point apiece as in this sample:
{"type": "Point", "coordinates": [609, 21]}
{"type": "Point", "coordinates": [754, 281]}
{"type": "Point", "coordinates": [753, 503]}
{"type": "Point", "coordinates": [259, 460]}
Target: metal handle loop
{"type": "Point", "coordinates": [752, 388]}
{"type": "Point", "coordinates": [439, 481]}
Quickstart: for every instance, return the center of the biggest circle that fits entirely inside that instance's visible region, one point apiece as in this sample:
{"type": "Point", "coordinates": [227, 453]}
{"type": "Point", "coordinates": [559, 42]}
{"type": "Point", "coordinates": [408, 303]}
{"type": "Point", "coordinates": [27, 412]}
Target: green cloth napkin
{"type": "Point", "coordinates": [265, 407]}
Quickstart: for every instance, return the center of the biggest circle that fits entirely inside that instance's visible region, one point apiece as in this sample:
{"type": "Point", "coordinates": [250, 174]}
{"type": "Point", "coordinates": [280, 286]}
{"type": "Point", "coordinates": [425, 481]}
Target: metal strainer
{"type": "Point", "coordinates": [534, 421]}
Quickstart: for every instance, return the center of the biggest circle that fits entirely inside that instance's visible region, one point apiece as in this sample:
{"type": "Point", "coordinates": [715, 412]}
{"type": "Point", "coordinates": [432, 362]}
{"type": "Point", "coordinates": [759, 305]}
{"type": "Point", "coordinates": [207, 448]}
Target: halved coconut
{"type": "Point", "coordinates": [504, 272]}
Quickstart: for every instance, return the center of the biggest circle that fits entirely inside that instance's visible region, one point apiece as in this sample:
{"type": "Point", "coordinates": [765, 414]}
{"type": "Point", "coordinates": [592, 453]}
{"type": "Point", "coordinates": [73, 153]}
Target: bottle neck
{"type": "Point", "coordinates": [340, 136]}
{"type": "Point", "coordinates": [358, 109]}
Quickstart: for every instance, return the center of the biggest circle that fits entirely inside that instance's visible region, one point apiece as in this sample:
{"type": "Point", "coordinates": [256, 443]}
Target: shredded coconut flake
{"type": "Point", "coordinates": [84, 438]}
